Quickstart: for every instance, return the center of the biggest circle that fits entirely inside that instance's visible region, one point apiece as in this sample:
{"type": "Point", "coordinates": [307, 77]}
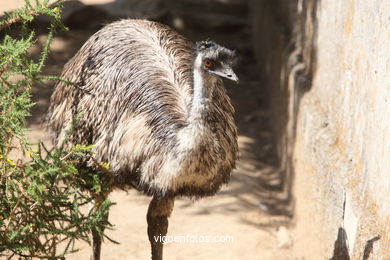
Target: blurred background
{"type": "Point", "coordinates": [312, 110]}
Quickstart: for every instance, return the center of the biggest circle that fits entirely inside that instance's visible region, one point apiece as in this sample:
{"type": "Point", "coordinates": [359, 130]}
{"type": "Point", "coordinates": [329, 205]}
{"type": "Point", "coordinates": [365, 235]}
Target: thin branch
{"type": "Point", "coordinates": [17, 19]}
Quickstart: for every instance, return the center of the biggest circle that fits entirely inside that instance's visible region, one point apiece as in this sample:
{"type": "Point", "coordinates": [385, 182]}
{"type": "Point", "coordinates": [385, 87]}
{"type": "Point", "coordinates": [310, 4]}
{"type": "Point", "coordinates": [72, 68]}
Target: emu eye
{"type": "Point", "coordinates": [209, 64]}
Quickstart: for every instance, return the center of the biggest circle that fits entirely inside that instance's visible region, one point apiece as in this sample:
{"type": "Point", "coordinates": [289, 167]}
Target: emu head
{"type": "Point", "coordinates": [215, 59]}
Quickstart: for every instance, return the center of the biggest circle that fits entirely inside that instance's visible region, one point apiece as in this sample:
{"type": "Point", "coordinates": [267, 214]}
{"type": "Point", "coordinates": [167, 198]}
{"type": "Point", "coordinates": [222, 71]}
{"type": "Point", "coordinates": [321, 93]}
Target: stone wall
{"type": "Point", "coordinates": [327, 67]}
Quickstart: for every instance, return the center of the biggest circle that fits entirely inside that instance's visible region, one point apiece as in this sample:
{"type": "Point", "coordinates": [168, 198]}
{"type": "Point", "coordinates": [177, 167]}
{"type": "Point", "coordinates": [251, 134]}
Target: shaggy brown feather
{"type": "Point", "coordinates": [135, 98]}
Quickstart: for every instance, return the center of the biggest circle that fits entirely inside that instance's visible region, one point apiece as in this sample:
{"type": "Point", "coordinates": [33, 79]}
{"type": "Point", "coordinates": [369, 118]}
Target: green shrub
{"type": "Point", "coordinates": [43, 194]}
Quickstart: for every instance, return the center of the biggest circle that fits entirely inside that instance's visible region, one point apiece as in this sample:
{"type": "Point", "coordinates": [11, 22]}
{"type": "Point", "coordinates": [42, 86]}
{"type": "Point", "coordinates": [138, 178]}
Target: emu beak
{"type": "Point", "coordinates": [229, 74]}
{"type": "Point", "coordinates": [226, 73]}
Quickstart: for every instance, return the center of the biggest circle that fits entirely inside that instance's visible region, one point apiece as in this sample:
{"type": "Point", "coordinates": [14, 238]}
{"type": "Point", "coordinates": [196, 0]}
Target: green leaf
{"type": "Point", "coordinates": [40, 198]}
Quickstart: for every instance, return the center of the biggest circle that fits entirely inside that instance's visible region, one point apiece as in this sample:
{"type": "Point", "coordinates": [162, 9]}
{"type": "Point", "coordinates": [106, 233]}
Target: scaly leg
{"type": "Point", "coordinates": [96, 245]}
{"type": "Point", "coordinates": [96, 238]}
{"type": "Point", "coordinates": [159, 211]}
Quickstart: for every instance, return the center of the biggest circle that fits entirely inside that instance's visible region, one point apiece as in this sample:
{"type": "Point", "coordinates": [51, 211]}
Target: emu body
{"type": "Point", "coordinates": [154, 106]}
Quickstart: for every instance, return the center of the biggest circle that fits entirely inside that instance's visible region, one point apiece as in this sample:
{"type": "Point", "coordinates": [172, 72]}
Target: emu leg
{"type": "Point", "coordinates": [96, 245]}
{"type": "Point", "coordinates": [96, 238]}
{"type": "Point", "coordinates": [157, 217]}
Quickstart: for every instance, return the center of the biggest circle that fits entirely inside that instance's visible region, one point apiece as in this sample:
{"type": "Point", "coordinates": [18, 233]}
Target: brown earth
{"type": "Point", "coordinates": [250, 208]}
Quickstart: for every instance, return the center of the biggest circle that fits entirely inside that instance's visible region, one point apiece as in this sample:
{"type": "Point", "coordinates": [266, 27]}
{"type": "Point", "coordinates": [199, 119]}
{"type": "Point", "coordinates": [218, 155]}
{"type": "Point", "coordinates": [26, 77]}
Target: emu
{"type": "Point", "coordinates": [154, 106]}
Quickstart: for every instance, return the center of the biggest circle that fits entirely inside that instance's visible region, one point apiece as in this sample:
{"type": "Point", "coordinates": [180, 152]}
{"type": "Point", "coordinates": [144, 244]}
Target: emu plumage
{"type": "Point", "coordinates": [154, 106]}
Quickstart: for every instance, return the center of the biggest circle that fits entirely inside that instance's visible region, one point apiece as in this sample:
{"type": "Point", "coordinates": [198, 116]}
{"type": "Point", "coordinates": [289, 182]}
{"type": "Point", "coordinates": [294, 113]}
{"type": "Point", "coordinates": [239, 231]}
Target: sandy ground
{"type": "Point", "coordinates": [249, 209]}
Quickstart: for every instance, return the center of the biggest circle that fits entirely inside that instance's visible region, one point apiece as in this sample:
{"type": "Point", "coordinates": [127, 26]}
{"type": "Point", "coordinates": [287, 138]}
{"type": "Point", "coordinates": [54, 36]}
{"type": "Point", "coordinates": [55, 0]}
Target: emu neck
{"type": "Point", "coordinates": [197, 131]}
{"type": "Point", "coordinates": [203, 86]}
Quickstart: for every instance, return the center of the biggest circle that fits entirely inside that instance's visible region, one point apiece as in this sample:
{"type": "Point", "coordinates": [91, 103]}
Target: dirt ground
{"type": "Point", "coordinates": [249, 208]}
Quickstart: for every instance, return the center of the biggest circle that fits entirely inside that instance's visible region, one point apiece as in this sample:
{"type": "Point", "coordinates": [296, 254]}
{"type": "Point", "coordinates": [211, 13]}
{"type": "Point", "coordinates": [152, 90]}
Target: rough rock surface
{"type": "Point", "coordinates": [326, 64]}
